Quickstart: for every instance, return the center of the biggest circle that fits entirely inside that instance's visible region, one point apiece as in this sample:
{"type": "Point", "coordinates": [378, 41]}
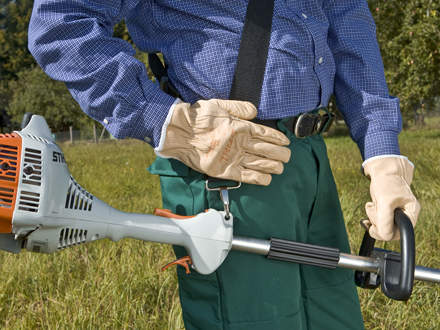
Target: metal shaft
{"type": "Point", "coordinates": [358, 263]}
{"type": "Point", "coordinates": [262, 247]}
{"type": "Point", "coordinates": [427, 274]}
{"type": "Point", "coordinates": [251, 245]}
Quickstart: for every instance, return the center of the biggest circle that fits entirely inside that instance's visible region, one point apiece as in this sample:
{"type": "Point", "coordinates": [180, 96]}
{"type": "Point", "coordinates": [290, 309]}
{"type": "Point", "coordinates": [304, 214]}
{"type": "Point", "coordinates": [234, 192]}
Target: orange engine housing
{"type": "Point", "coordinates": [10, 156]}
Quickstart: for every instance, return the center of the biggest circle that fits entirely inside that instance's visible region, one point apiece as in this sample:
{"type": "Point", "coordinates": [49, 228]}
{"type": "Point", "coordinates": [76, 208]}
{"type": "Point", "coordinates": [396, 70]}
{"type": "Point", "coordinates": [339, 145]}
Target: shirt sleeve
{"type": "Point", "coordinates": [72, 41]}
{"type": "Point", "coordinates": [372, 115]}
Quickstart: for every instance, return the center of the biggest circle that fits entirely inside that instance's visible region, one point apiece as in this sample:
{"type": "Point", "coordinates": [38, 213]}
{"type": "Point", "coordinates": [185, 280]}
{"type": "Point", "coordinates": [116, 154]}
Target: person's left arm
{"type": "Point", "coordinates": [372, 115]}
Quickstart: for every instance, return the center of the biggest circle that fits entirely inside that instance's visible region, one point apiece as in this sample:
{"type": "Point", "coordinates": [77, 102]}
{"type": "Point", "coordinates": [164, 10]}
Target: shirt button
{"type": "Point", "coordinates": [147, 139]}
{"type": "Point", "coordinates": [105, 121]}
{"type": "Point", "coordinates": [304, 15]}
{"type": "Point", "coordinates": [321, 60]}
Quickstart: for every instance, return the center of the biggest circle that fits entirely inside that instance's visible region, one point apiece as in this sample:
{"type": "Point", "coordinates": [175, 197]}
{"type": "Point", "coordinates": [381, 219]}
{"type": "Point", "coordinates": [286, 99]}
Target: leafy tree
{"type": "Point", "coordinates": [23, 85]}
{"type": "Point", "coordinates": [14, 20]}
{"type": "Point", "coordinates": [14, 17]}
{"type": "Point", "coordinates": [35, 92]}
{"type": "Point", "coordinates": [409, 35]}
{"type": "Point", "coordinates": [120, 31]}
{"type": "Point", "coordinates": [4, 122]}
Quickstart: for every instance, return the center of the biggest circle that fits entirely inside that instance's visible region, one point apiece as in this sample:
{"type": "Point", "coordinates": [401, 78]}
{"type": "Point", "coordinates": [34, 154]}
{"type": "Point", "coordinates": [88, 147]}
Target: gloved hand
{"type": "Point", "coordinates": [390, 189]}
{"type": "Point", "coordinates": [216, 137]}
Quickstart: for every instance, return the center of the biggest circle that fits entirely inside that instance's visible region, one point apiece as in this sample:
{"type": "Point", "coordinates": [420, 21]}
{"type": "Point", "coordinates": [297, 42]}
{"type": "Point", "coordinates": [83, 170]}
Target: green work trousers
{"type": "Point", "coordinates": [249, 291]}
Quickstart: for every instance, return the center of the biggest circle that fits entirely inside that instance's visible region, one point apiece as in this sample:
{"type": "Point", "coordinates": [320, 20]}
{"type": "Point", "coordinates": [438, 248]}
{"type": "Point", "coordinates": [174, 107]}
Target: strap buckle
{"type": "Point", "coordinates": [224, 194]}
{"type": "Point", "coordinates": [306, 124]}
{"type": "Point", "coordinates": [309, 124]}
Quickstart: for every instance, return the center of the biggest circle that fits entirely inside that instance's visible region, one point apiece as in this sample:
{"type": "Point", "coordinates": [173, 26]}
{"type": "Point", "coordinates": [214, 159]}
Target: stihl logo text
{"type": "Point", "coordinates": [58, 157]}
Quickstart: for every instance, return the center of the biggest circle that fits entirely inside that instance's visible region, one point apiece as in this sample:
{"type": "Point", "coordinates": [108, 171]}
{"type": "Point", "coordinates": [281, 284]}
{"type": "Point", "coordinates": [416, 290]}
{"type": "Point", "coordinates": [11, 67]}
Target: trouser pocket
{"type": "Point", "coordinates": [182, 188]}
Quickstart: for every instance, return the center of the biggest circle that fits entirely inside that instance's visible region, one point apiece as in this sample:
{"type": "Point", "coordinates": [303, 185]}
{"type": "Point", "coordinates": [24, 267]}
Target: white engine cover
{"type": "Point", "coordinates": [53, 211]}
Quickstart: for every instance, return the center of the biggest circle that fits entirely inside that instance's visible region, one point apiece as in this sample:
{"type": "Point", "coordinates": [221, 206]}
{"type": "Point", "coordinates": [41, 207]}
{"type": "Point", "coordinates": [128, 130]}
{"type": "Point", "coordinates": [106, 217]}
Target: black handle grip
{"type": "Point", "coordinates": [396, 273]}
{"type": "Point", "coordinates": [398, 277]}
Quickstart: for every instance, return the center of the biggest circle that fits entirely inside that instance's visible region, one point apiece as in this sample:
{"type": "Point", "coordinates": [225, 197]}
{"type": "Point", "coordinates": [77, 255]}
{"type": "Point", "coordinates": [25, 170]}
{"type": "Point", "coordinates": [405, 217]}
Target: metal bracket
{"type": "Point", "coordinates": [224, 195]}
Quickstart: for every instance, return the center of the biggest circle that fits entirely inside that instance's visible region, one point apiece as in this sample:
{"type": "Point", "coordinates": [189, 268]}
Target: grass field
{"type": "Point", "coordinates": [120, 285]}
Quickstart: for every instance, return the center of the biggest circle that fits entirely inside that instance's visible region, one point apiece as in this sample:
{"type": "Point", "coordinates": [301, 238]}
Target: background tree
{"type": "Point", "coordinates": [35, 92]}
{"type": "Point", "coordinates": [23, 85]}
{"type": "Point", "coordinates": [14, 55]}
{"type": "Point", "coordinates": [409, 35]}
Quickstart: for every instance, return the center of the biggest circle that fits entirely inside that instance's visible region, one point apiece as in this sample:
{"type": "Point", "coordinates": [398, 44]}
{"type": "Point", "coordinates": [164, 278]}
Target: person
{"type": "Point", "coordinates": [317, 48]}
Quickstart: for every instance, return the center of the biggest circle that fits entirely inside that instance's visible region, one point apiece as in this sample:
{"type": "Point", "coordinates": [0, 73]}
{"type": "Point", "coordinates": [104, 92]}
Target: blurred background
{"type": "Point", "coordinates": [408, 34]}
{"type": "Point", "coordinates": [120, 285]}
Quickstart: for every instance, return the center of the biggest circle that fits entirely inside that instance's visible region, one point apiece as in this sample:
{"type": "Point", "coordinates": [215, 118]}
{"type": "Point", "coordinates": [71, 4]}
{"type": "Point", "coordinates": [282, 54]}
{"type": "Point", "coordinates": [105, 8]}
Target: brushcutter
{"type": "Point", "coordinates": [43, 209]}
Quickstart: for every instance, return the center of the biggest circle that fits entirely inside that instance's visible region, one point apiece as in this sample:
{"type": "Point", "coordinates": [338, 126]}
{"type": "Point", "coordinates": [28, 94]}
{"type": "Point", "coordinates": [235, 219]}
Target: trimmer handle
{"type": "Point", "coordinates": [396, 272]}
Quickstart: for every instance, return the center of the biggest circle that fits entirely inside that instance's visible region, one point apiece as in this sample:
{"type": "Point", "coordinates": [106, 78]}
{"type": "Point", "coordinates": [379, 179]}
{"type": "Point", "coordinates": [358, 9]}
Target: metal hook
{"type": "Point", "coordinates": [224, 195]}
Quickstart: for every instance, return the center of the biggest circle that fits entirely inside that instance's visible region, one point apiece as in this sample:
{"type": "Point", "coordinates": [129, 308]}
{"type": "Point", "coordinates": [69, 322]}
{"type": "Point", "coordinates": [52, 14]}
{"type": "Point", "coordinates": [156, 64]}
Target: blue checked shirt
{"type": "Point", "coordinates": [317, 48]}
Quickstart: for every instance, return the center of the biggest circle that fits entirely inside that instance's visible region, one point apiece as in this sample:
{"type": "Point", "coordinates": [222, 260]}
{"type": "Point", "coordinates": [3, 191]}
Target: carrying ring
{"type": "Point", "coordinates": [218, 188]}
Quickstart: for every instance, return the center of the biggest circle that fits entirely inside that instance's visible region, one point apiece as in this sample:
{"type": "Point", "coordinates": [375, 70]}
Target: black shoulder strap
{"type": "Point", "coordinates": [160, 73]}
{"type": "Point", "coordinates": [252, 56]}
{"type": "Point", "coordinates": [156, 66]}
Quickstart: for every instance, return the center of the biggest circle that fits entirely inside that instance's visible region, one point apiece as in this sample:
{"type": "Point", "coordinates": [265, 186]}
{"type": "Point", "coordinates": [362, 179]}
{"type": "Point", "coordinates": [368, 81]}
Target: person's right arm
{"type": "Point", "coordinates": [72, 41]}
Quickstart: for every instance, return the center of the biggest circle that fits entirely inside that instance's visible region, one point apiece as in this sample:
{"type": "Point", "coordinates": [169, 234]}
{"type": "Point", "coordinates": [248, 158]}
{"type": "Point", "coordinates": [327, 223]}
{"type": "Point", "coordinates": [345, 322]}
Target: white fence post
{"type": "Point", "coordinates": [94, 133]}
{"type": "Point", "coordinates": [71, 134]}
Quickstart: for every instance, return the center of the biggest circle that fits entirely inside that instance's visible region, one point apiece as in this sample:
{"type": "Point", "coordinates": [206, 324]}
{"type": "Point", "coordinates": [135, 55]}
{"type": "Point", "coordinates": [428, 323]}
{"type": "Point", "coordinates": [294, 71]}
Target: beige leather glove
{"type": "Point", "coordinates": [216, 137]}
{"type": "Point", "coordinates": [390, 189]}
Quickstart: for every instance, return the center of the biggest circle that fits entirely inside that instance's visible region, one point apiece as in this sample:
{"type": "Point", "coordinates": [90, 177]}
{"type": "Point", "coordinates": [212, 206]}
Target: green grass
{"type": "Point", "coordinates": [120, 285]}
